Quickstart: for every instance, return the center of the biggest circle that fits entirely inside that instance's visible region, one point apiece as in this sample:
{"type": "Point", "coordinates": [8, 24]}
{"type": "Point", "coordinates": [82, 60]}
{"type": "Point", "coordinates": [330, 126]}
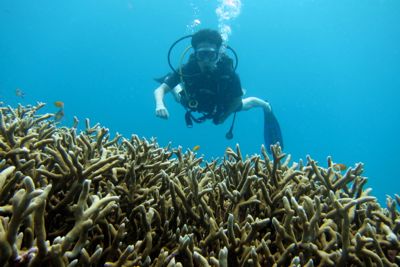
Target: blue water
{"type": "Point", "coordinates": [330, 69]}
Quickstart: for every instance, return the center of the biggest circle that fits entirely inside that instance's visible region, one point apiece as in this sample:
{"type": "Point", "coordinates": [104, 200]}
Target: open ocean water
{"type": "Point", "coordinates": [330, 69]}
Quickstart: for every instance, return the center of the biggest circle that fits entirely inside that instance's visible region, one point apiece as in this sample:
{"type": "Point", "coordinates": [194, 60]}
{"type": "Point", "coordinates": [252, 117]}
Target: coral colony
{"type": "Point", "coordinates": [86, 199]}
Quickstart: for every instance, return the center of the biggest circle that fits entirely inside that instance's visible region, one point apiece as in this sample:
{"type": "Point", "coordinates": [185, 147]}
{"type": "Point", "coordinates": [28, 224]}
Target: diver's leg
{"type": "Point", "coordinates": [253, 102]}
{"type": "Point", "coordinates": [272, 130]}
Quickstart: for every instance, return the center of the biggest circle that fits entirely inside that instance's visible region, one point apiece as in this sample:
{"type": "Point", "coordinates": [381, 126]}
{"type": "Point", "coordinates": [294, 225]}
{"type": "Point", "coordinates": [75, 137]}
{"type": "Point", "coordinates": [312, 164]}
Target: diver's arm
{"type": "Point", "coordinates": [159, 93]}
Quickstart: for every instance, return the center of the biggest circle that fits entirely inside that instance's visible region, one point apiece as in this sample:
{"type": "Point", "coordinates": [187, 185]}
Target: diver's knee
{"type": "Point", "coordinates": [252, 102]}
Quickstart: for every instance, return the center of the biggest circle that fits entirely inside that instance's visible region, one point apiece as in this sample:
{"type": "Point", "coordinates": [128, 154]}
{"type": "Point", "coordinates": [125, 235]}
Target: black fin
{"type": "Point", "coordinates": [272, 131]}
{"type": "Point", "coordinates": [161, 79]}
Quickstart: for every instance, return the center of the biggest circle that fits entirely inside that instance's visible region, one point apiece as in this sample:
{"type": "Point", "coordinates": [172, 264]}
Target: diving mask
{"type": "Point", "coordinates": [207, 54]}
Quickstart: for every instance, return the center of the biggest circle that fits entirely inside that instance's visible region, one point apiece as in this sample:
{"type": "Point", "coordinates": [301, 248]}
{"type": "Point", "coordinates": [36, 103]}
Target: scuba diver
{"type": "Point", "coordinates": [208, 84]}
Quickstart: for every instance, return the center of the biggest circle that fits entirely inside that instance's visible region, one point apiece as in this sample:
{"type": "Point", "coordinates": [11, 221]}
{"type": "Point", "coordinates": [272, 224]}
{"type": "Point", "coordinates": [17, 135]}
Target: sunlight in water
{"type": "Point", "coordinates": [226, 11]}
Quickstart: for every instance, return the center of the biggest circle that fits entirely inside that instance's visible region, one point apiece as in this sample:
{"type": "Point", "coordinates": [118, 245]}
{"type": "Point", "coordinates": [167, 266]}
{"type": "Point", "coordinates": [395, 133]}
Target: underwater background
{"type": "Point", "coordinates": [329, 68]}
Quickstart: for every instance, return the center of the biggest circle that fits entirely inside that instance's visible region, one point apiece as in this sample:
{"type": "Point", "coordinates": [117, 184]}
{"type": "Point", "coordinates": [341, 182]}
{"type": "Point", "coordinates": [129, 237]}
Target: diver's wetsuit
{"type": "Point", "coordinates": [210, 93]}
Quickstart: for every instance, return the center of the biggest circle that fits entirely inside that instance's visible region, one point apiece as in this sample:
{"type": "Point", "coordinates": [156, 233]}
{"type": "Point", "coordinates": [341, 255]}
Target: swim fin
{"type": "Point", "coordinates": [161, 79]}
{"type": "Point", "coordinates": [272, 131]}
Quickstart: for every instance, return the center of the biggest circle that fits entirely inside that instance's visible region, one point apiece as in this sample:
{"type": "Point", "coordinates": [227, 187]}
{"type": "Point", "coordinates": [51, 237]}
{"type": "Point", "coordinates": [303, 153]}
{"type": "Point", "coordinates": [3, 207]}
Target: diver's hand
{"type": "Point", "coordinates": [162, 112]}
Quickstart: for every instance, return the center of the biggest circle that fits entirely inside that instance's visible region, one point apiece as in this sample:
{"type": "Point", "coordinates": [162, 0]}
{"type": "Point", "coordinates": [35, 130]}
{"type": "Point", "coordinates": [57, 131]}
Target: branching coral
{"type": "Point", "coordinates": [86, 199]}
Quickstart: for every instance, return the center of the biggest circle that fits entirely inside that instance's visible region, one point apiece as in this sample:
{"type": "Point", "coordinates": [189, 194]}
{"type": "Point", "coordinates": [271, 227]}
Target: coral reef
{"type": "Point", "coordinates": [84, 199]}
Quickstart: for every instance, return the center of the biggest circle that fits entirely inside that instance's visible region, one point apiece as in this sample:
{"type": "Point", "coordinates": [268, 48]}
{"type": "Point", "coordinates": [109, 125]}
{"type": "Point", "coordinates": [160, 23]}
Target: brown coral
{"type": "Point", "coordinates": [81, 199]}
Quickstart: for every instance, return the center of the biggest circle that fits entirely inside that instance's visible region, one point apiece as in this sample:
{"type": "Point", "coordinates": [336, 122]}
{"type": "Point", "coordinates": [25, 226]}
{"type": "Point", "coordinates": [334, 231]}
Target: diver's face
{"type": "Point", "coordinates": [207, 56]}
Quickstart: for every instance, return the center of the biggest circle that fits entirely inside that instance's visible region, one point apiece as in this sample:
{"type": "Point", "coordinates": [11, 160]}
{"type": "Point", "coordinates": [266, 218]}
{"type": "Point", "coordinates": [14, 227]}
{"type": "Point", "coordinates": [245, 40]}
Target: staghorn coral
{"type": "Point", "coordinates": [83, 199]}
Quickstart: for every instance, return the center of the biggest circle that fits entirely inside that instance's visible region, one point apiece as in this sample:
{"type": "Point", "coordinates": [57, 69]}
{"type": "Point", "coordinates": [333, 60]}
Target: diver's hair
{"type": "Point", "coordinates": [207, 35]}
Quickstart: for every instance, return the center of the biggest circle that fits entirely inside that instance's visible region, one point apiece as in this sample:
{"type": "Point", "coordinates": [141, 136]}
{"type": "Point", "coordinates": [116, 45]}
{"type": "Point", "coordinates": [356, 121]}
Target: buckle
{"type": "Point", "coordinates": [193, 104]}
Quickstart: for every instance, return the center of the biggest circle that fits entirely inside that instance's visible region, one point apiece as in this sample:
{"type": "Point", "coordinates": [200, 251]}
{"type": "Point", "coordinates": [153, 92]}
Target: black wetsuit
{"type": "Point", "coordinates": [210, 93]}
